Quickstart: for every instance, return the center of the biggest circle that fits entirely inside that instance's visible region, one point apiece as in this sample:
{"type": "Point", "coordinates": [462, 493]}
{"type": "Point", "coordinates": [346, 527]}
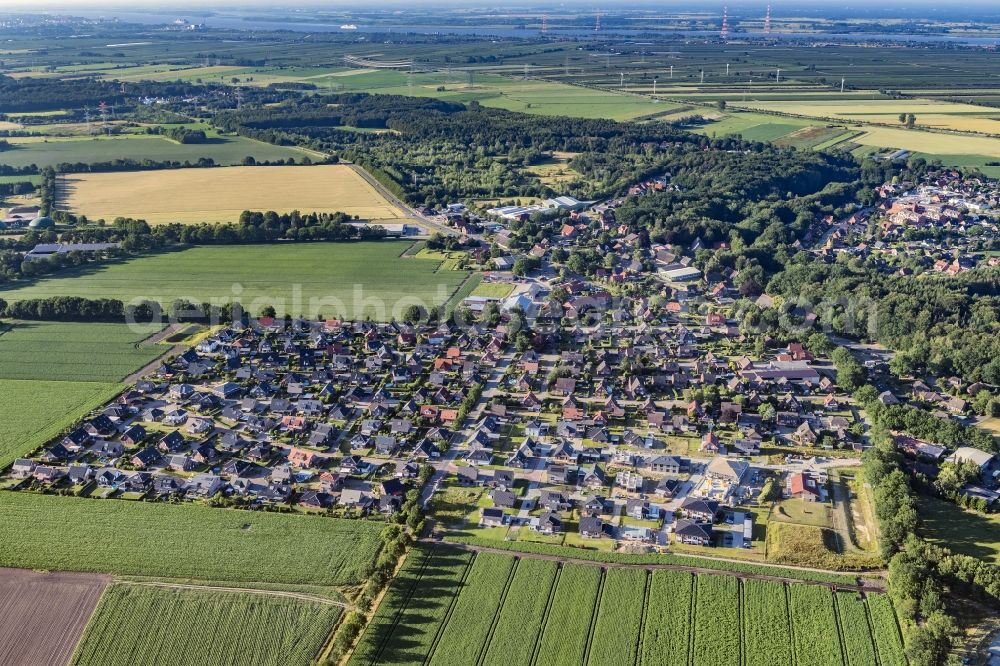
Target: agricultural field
{"type": "Point", "coordinates": [221, 195]}
{"type": "Point", "coordinates": [666, 639]}
{"type": "Point", "coordinates": [34, 411]}
{"type": "Point", "coordinates": [618, 625]}
{"type": "Point", "coordinates": [154, 625]}
{"type": "Point", "coordinates": [44, 614]}
{"type": "Point", "coordinates": [184, 542]}
{"type": "Point", "coordinates": [961, 530]}
{"type": "Point", "coordinates": [345, 280]}
{"type": "Point", "coordinates": [929, 113]}
{"type": "Point", "coordinates": [74, 351]}
{"type": "Point", "coordinates": [518, 625]}
{"type": "Point", "coordinates": [502, 610]}
{"type": "Point", "coordinates": [53, 373]}
{"type": "Point", "coordinates": [813, 615]}
{"type": "Point", "coordinates": [540, 97]}
{"type": "Point", "coordinates": [225, 150]}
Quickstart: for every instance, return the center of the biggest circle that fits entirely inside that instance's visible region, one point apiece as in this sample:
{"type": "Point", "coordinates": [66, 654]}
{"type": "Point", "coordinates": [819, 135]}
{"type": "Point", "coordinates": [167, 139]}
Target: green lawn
{"type": "Point", "coordinates": [960, 530]}
{"type": "Point", "coordinates": [223, 150]}
{"type": "Point", "coordinates": [183, 541]}
{"type": "Point", "coordinates": [148, 625]}
{"type": "Point", "coordinates": [347, 280]}
{"type": "Point", "coordinates": [53, 373]}
{"type": "Point", "coordinates": [493, 289]}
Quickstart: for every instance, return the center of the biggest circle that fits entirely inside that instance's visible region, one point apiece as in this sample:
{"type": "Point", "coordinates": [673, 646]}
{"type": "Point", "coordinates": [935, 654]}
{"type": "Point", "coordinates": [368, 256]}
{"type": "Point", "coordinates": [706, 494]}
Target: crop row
{"type": "Point", "coordinates": [146, 625]}
{"type": "Point", "coordinates": [419, 621]}
{"type": "Point", "coordinates": [667, 632]}
{"type": "Point", "coordinates": [502, 612]}
{"type": "Point", "coordinates": [888, 642]}
{"type": "Point", "coordinates": [766, 636]}
{"type": "Point", "coordinates": [567, 627]}
{"type": "Point", "coordinates": [858, 647]}
{"type": "Point", "coordinates": [619, 618]}
{"type": "Point", "coordinates": [523, 614]}
{"type": "Point", "coordinates": [468, 628]}
{"type": "Point", "coordinates": [717, 621]}
{"type": "Point", "coordinates": [814, 626]}
{"type": "Point", "coordinates": [393, 602]}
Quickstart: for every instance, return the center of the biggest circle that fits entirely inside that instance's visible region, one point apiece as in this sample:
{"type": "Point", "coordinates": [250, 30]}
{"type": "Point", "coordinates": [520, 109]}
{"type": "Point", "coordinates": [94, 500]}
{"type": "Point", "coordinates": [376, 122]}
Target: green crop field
{"type": "Point", "coordinates": [418, 605]}
{"type": "Point", "coordinates": [812, 613]}
{"type": "Point", "coordinates": [74, 351]}
{"type": "Point", "coordinates": [148, 625]}
{"type": "Point", "coordinates": [439, 610]}
{"type": "Point", "coordinates": [34, 411]}
{"type": "Point", "coordinates": [766, 637]}
{"type": "Point", "coordinates": [464, 637]}
{"type": "Point", "coordinates": [619, 618]}
{"type": "Point", "coordinates": [566, 631]}
{"type": "Point", "coordinates": [666, 638]}
{"type": "Point", "coordinates": [547, 98]}
{"type": "Point", "coordinates": [346, 280]}
{"type": "Point", "coordinates": [189, 542]}
{"type": "Point", "coordinates": [223, 150]}
{"type": "Point", "coordinates": [520, 622]}
{"type": "Point", "coordinates": [53, 373]}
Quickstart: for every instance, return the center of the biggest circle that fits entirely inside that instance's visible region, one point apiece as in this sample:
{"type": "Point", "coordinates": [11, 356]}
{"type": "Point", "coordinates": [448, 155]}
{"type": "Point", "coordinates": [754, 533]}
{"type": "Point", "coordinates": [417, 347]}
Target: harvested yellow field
{"type": "Point", "coordinates": [929, 142]}
{"type": "Point", "coordinates": [191, 196]}
{"type": "Point", "coordinates": [929, 113]}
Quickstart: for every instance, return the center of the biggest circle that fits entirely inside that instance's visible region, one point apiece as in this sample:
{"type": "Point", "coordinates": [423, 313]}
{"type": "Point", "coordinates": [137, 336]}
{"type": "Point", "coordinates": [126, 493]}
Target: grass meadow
{"type": "Point", "coordinates": [347, 280]}
{"type": "Point", "coordinates": [149, 625]}
{"type": "Point", "coordinates": [187, 542]}
{"type": "Point", "coordinates": [961, 530]}
{"type": "Point", "coordinates": [221, 195]}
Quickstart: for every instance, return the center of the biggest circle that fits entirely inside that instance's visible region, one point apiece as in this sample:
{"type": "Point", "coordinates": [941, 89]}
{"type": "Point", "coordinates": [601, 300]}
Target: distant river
{"type": "Point", "coordinates": [241, 23]}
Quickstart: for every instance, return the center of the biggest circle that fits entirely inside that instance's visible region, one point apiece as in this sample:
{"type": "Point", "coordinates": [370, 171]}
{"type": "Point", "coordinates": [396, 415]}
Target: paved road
{"type": "Point", "coordinates": [442, 466]}
{"type": "Point", "coordinates": [396, 201]}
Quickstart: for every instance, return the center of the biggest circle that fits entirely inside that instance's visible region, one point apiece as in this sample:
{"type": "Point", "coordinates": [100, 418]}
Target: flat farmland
{"type": "Point", "coordinates": [43, 151]}
{"type": "Point", "coordinates": [933, 143]}
{"type": "Point", "coordinates": [33, 411]}
{"type": "Point", "coordinates": [538, 97]}
{"type": "Point", "coordinates": [52, 373]}
{"type": "Point", "coordinates": [220, 195]}
{"type": "Point", "coordinates": [74, 351]}
{"type": "Point", "coordinates": [347, 280]}
{"type": "Point", "coordinates": [150, 625]}
{"type": "Point", "coordinates": [42, 615]}
{"type": "Point", "coordinates": [185, 542]}
{"type": "Point", "coordinates": [508, 610]}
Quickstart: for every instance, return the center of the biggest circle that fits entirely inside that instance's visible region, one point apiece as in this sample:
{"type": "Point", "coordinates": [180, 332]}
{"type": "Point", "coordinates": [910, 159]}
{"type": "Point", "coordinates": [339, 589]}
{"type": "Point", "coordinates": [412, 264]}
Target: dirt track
{"type": "Point", "coordinates": [42, 615]}
{"type": "Point", "coordinates": [870, 585]}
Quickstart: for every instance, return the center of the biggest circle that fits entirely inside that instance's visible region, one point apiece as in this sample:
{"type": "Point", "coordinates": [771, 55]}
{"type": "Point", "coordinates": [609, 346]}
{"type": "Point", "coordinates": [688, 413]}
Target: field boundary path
{"type": "Point", "coordinates": [875, 585]}
{"type": "Point", "coordinates": [156, 338]}
{"type": "Point", "coordinates": [301, 596]}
